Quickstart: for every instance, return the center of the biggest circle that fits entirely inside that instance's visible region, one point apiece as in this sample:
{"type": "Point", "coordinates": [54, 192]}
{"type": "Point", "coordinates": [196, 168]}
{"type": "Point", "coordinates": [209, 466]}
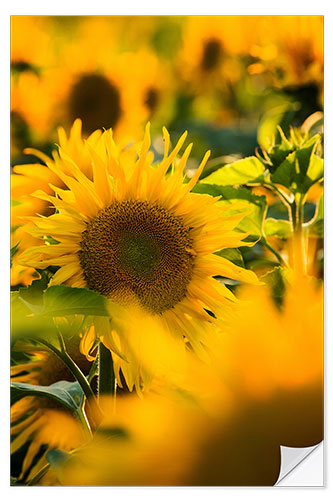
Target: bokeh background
{"type": "Point", "coordinates": [228, 80]}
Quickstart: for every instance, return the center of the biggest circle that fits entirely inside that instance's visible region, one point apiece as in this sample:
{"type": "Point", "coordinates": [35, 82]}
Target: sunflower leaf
{"type": "Point", "coordinates": [60, 300]}
{"type": "Point", "coordinates": [232, 254]}
{"type": "Point", "coordinates": [249, 170]}
{"type": "Point", "coordinates": [25, 323]}
{"type": "Point", "coordinates": [316, 225]}
{"type": "Point", "coordinates": [301, 168]}
{"type": "Point", "coordinates": [256, 205]}
{"type": "Point", "coordinates": [277, 227]}
{"type": "Point", "coordinates": [13, 251]}
{"type": "Point", "coordinates": [69, 394]}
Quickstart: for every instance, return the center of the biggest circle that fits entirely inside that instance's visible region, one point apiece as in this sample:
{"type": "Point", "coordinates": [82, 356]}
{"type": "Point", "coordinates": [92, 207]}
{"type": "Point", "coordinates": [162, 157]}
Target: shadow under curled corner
{"type": "Point", "coordinates": [302, 466]}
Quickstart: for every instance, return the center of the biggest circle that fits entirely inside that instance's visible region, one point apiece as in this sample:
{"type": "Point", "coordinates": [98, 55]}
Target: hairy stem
{"type": "Point", "coordinates": [78, 374]}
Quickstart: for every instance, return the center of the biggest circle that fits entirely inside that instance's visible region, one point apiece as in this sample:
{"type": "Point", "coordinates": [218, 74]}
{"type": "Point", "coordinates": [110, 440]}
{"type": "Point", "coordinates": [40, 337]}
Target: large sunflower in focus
{"type": "Point", "coordinates": [136, 234]}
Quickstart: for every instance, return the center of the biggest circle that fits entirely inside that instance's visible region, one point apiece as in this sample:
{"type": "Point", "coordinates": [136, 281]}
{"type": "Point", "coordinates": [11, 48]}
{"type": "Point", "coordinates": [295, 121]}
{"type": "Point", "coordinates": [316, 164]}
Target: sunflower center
{"type": "Point", "coordinates": [211, 54]}
{"type": "Point", "coordinates": [151, 99]}
{"type": "Point", "coordinates": [96, 101]}
{"type": "Point", "coordinates": [138, 248]}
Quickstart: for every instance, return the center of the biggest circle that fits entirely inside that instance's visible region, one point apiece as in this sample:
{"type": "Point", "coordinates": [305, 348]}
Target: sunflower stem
{"type": "Point", "coordinates": [274, 251]}
{"type": "Point", "coordinates": [106, 377]}
{"type": "Point", "coordinates": [78, 374]}
{"type": "Point", "coordinates": [82, 417]}
{"type": "Point", "coordinates": [34, 480]}
{"type": "Point", "coordinates": [299, 237]}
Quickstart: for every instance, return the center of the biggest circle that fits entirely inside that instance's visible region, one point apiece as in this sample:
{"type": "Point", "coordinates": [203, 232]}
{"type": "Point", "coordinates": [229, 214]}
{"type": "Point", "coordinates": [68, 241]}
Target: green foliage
{"type": "Point", "coordinates": [255, 205]}
{"type": "Point", "coordinates": [316, 225]}
{"type": "Point", "coordinates": [232, 254]}
{"type": "Point", "coordinates": [62, 300]}
{"type": "Point", "coordinates": [275, 279]}
{"type": "Point", "coordinates": [277, 227]}
{"type": "Point", "coordinates": [13, 251]}
{"type": "Point", "coordinates": [34, 310]}
{"type": "Point", "coordinates": [24, 323]}
{"type": "Point", "coordinates": [68, 394]}
{"type": "Point", "coordinates": [250, 170]}
{"type": "Point", "coordinates": [301, 168]}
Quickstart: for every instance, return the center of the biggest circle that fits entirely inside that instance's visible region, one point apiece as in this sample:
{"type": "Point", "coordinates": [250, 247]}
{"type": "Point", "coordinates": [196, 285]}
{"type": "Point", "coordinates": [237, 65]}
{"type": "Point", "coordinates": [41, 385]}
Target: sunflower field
{"type": "Point", "coordinates": [167, 222]}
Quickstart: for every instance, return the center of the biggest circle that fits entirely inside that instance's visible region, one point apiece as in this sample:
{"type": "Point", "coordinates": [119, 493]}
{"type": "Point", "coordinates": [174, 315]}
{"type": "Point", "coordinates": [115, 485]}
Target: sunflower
{"type": "Point", "coordinates": [210, 46]}
{"type": "Point", "coordinates": [40, 423]}
{"type": "Point", "coordinates": [32, 46]}
{"type": "Point", "coordinates": [137, 235]}
{"type": "Point", "coordinates": [25, 180]}
{"type": "Point", "coordinates": [89, 79]}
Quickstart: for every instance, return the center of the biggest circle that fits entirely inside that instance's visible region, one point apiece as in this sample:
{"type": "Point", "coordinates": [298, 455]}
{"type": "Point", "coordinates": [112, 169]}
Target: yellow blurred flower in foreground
{"type": "Point", "coordinates": [139, 236]}
{"type": "Point", "coordinates": [276, 356]}
{"type": "Point", "coordinates": [224, 422]}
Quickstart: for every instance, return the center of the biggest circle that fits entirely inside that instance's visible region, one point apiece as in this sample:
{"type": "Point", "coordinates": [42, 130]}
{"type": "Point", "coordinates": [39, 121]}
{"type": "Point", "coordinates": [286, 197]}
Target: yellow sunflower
{"type": "Point", "coordinates": [32, 44]}
{"type": "Point", "coordinates": [136, 234]}
{"type": "Point", "coordinates": [40, 422]}
{"type": "Point", "coordinates": [28, 177]}
{"type": "Point", "coordinates": [91, 80]}
{"type": "Point", "coordinates": [210, 46]}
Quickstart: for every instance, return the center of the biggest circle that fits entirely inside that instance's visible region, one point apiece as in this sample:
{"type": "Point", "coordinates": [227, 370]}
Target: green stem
{"type": "Point", "coordinates": [274, 251]}
{"type": "Point", "coordinates": [78, 374]}
{"type": "Point", "coordinates": [283, 197]}
{"type": "Point", "coordinates": [82, 417]}
{"type": "Point", "coordinates": [299, 243]}
{"type": "Point", "coordinates": [106, 377]}
{"type": "Point", "coordinates": [64, 356]}
{"type": "Point", "coordinates": [297, 214]}
{"type": "Point", "coordinates": [34, 480]}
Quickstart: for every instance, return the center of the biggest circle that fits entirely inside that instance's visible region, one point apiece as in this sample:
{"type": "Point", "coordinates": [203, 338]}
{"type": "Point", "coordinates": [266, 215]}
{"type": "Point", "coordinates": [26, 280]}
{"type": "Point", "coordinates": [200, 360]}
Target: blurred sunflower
{"type": "Point", "coordinates": [210, 44]}
{"type": "Point", "coordinates": [32, 46]}
{"type": "Point", "coordinates": [151, 95]}
{"type": "Point", "coordinates": [139, 236]}
{"type": "Point", "coordinates": [92, 81]}
{"type": "Point", "coordinates": [40, 423]}
{"type": "Point", "coordinates": [302, 43]}
{"type": "Point", "coordinates": [289, 50]}
{"type": "Point", "coordinates": [281, 365]}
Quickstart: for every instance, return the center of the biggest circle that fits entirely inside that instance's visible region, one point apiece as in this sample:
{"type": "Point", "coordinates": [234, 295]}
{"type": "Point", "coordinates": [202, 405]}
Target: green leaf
{"type": "Point", "coordinates": [246, 171]}
{"type": "Point", "coordinates": [277, 227]}
{"type": "Point", "coordinates": [232, 254]}
{"type": "Point", "coordinates": [63, 300]}
{"type": "Point", "coordinates": [42, 314]}
{"type": "Point", "coordinates": [314, 173]}
{"type": "Point", "coordinates": [69, 394]}
{"type": "Point", "coordinates": [275, 279]}
{"type": "Point", "coordinates": [33, 294]}
{"type": "Point", "coordinates": [301, 168]}
{"type": "Point", "coordinates": [257, 205]}
{"type": "Point", "coordinates": [278, 109]}
{"type": "Point", "coordinates": [316, 225]}
{"type": "Point", "coordinates": [13, 251]}
{"type": "Point", "coordinates": [24, 323]}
